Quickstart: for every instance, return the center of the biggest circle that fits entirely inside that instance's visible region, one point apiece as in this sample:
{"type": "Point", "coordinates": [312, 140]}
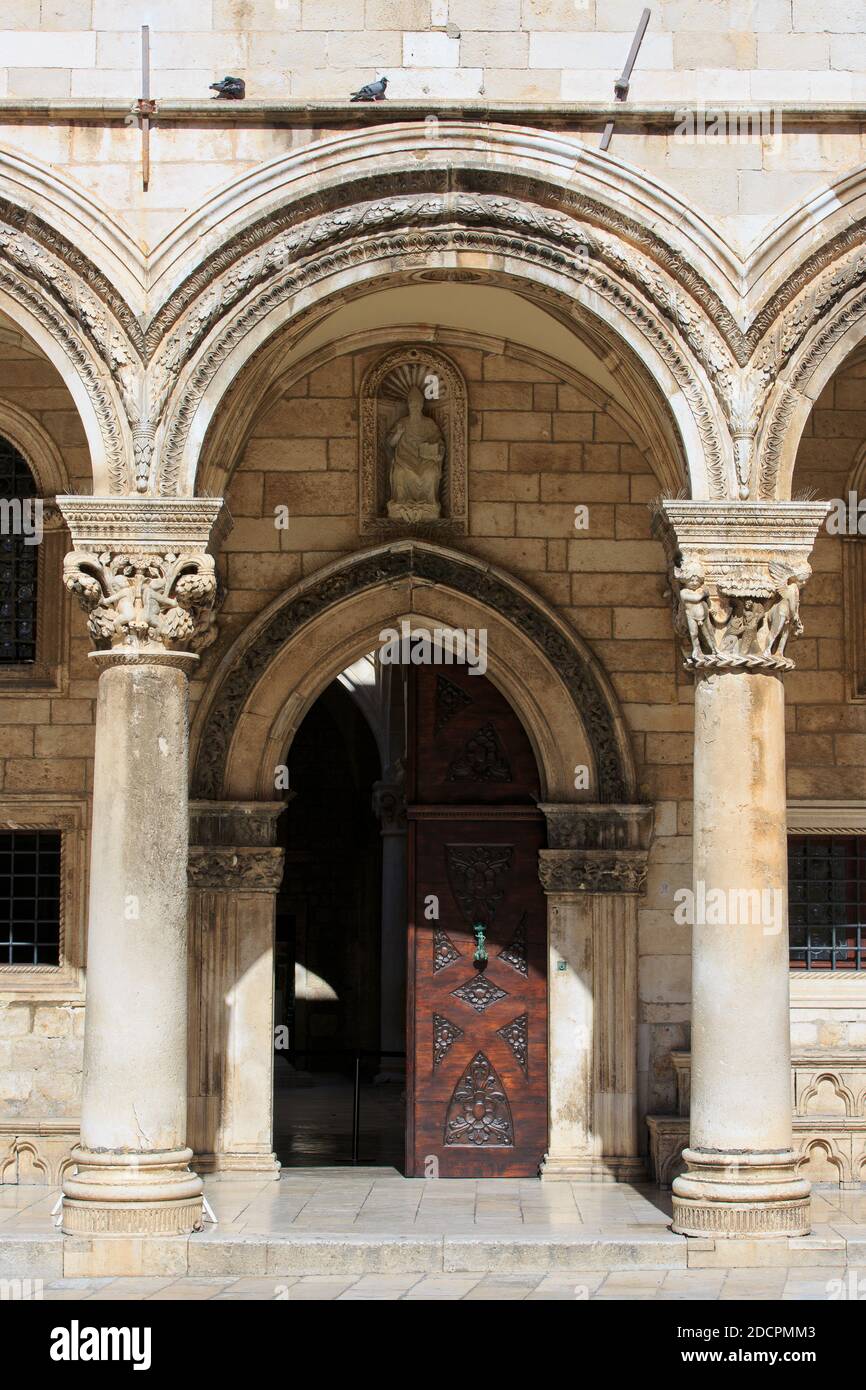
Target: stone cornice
{"type": "Point", "coordinates": [598, 826]}
{"type": "Point", "coordinates": [265, 112]}
{"type": "Point", "coordinates": [150, 523]}
{"type": "Point", "coordinates": [734, 535]}
{"type": "Point", "coordinates": [234, 823]}
{"type": "Point", "coordinates": [827, 818]}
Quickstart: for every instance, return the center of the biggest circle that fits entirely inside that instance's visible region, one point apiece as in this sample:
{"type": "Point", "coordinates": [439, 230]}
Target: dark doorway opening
{"type": "Point", "coordinates": [328, 950]}
{"type": "Point", "coordinates": [411, 932]}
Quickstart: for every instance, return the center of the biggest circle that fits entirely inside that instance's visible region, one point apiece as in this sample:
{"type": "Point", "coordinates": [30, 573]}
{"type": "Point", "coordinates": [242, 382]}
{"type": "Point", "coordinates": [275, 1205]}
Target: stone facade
{"type": "Point", "coordinates": [511, 50]}
{"type": "Point", "coordinates": [657, 348]}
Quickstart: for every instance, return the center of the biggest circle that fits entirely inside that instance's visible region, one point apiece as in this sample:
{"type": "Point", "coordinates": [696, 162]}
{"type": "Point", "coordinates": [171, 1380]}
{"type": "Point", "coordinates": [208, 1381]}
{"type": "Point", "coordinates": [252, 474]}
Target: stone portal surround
{"type": "Point", "coordinates": [234, 871]}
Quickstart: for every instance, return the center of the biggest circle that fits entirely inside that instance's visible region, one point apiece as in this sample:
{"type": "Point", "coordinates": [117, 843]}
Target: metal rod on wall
{"type": "Point", "coordinates": [621, 86]}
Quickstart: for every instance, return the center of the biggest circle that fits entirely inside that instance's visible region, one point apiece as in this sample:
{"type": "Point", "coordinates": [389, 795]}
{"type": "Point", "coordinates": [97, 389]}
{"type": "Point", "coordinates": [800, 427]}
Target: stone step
{"type": "Point", "coordinates": [27, 1256]}
{"type": "Point", "coordinates": [212, 1253]}
{"type": "Point", "coordinates": [235, 1254]}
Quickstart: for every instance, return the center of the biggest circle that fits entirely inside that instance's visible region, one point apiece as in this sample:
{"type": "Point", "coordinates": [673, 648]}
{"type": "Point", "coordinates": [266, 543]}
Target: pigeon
{"type": "Point", "coordinates": [230, 89]}
{"type": "Point", "coordinates": [374, 91]}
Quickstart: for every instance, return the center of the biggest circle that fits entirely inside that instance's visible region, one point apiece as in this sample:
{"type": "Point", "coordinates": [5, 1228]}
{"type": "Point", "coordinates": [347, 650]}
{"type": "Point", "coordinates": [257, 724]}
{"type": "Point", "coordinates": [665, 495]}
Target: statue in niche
{"type": "Point", "coordinates": [415, 449]}
{"type": "Point", "coordinates": [414, 429]}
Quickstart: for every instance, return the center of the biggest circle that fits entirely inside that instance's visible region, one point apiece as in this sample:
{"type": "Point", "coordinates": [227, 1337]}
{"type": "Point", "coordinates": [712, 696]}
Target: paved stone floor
{"type": "Point", "coordinates": [806, 1283]}
{"type": "Point", "coordinates": [380, 1200]}
{"type": "Point", "coordinates": [340, 1205]}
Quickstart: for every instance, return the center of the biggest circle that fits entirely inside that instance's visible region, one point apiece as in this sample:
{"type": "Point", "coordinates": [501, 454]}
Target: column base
{"type": "Point", "coordinates": [239, 1165]}
{"type": "Point", "coordinates": [146, 1194]}
{"type": "Point", "coordinates": [746, 1196]}
{"type": "Point", "coordinates": [591, 1168]}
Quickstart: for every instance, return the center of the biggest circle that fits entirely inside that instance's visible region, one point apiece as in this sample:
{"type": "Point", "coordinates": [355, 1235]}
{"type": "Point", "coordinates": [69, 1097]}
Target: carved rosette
{"type": "Point", "coordinates": [143, 570]}
{"type": "Point", "coordinates": [735, 571]}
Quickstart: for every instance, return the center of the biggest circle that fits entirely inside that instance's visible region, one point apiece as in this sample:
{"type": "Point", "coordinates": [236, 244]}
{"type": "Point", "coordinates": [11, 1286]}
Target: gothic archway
{"type": "Point", "coordinates": [264, 684]}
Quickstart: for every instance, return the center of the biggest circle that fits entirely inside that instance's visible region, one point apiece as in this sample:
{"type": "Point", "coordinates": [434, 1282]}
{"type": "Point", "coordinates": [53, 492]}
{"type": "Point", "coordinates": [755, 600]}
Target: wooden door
{"type": "Point", "coordinates": [477, 1028]}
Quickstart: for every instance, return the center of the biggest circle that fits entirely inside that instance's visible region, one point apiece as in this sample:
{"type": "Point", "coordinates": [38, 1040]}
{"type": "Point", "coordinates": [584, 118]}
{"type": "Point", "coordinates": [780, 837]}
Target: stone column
{"type": "Point", "coordinates": [389, 805]}
{"type": "Point", "coordinates": [142, 570]}
{"type": "Point", "coordinates": [736, 573]}
{"type": "Point", "coordinates": [235, 871]}
{"type": "Point", "coordinates": [592, 873]}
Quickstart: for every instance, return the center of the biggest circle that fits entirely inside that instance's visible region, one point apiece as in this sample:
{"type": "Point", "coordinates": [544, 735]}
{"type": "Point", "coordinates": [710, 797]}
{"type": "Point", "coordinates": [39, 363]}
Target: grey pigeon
{"type": "Point", "coordinates": [230, 89]}
{"type": "Point", "coordinates": [374, 91]}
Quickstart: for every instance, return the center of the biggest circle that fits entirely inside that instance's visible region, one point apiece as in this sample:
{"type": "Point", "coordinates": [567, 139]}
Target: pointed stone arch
{"type": "Point", "coordinates": [266, 682]}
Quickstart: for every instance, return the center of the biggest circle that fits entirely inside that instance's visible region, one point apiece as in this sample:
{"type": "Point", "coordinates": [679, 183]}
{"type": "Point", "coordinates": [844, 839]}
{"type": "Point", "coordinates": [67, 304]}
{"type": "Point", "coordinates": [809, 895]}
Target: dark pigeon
{"type": "Point", "coordinates": [374, 91]}
{"type": "Point", "coordinates": [230, 89]}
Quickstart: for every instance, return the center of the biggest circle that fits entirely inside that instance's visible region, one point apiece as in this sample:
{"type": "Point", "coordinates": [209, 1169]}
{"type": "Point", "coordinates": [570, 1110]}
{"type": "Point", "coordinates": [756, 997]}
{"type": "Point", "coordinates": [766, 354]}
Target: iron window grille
{"type": "Point", "coordinates": [827, 902]}
{"type": "Point", "coordinates": [18, 564]}
{"type": "Point", "coordinates": [30, 897]}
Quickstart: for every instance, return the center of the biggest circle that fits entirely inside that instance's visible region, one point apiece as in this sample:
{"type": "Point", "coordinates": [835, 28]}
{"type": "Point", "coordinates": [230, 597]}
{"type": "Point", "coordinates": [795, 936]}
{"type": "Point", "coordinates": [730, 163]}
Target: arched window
{"type": "Point", "coordinates": [19, 548]}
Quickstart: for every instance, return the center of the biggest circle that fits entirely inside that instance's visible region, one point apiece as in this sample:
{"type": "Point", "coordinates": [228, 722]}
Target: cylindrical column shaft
{"type": "Point", "coordinates": [741, 1177]}
{"type": "Point", "coordinates": [133, 1174]}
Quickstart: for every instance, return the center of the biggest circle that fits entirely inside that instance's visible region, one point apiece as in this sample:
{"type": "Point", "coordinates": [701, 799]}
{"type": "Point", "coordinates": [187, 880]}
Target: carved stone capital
{"type": "Point", "coordinates": [232, 845]}
{"type": "Point", "coordinates": [389, 807]}
{"type": "Point", "coordinates": [736, 570]}
{"type": "Point", "coordinates": [143, 570]}
{"type": "Point", "coordinates": [242, 868]}
{"type": "Point", "coordinates": [592, 871]}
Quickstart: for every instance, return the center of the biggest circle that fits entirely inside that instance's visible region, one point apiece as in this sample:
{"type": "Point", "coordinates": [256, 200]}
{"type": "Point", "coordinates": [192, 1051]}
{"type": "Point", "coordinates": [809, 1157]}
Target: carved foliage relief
{"type": "Point", "coordinates": [157, 367]}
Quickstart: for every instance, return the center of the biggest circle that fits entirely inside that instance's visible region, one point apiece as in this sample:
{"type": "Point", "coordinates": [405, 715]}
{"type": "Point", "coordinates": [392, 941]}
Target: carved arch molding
{"type": "Point", "coordinates": [407, 561]}
{"type": "Point", "coordinates": [142, 380]}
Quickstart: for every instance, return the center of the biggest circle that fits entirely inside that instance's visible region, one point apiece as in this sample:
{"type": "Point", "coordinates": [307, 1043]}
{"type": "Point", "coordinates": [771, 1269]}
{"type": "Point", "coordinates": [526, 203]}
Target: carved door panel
{"type": "Point", "coordinates": [477, 1028]}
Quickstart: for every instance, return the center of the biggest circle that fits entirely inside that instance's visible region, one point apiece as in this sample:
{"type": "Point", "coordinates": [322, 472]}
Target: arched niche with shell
{"type": "Point", "coordinates": [413, 433]}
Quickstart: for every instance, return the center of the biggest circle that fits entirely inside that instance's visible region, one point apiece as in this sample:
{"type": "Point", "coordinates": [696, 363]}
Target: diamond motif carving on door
{"type": "Point", "coordinates": [515, 953]}
{"type": "Point", "coordinates": [516, 1034]}
{"type": "Point", "coordinates": [445, 1034]}
{"type": "Point", "coordinates": [479, 993]}
{"type": "Point", "coordinates": [450, 699]}
{"type": "Point", "coordinates": [444, 950]}
{"type": "Point", "coordinates": [479, 1112]}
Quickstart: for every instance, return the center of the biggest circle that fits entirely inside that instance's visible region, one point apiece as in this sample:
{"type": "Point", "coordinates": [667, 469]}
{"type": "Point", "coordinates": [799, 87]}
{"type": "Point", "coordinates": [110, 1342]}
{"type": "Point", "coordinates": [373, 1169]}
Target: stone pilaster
{"type": "Point", "coordinates": [235, 871]}
{"type": "Point", "coordinates": [736, 574]}
{"type": "Point", "coordinates": [143, 570]}
{"type": "Point", "coordinates": [593, 872]}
